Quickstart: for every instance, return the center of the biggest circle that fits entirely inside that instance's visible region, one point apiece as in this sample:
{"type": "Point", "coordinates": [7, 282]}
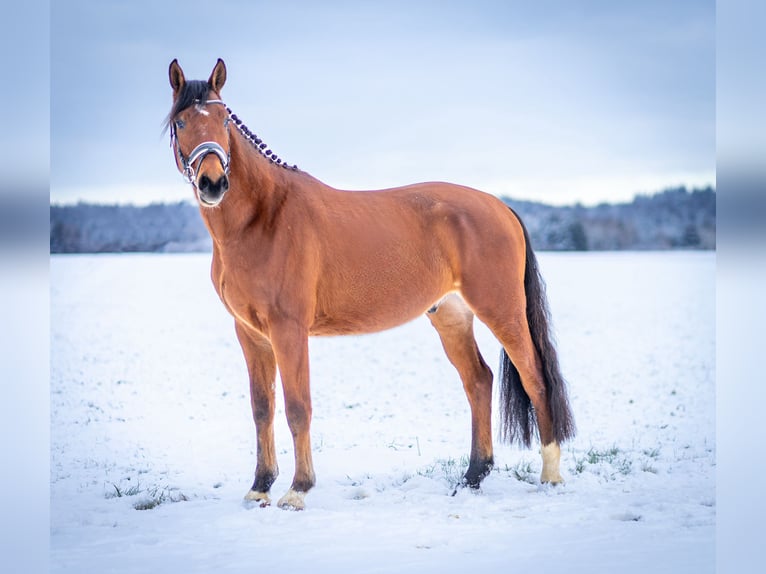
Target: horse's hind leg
{"type": "Point", "coordinates": [514, 335]}
{"type": "Point", "coordinates": [507, 320]}
{"type": "Point", "coordinates": [454, 322]}
{"type": "Point", "coordinates": [261, 366]}
{"type": "Point", "coordinates": [524, 356]}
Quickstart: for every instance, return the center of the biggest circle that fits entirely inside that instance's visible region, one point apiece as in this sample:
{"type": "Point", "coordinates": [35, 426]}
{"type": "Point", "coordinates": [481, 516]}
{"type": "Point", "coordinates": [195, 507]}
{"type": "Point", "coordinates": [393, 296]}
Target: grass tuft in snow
{"type": "Point", "coordinates": [595, 456]}
{"type": "Point", "coordinates": [159, 495]}
{"type": "Point", "coordinates": [653, 455]}
{"type": "Point", "coordinates": [119, 492]}
{"type": "Point", "coordinates": [607, 463]}
{"type": "Point", "coordinates": [148, 497]}
{"type": "Point", "coordinates": [652, 452]}
{"type": "Point", "coordinates": [449, 470]}
{"type": "Point", "coordinates": [523, 471]}
{"type": "Point", "coordinates": [646, 466]}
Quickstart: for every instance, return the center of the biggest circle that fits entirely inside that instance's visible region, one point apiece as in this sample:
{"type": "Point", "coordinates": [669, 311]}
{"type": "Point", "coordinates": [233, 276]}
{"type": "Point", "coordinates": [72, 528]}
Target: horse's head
{"type": "Point", "coordinates": [199, 132]}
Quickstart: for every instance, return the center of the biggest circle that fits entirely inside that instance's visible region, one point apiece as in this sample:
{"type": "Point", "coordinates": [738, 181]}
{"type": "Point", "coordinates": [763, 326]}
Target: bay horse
{"type": "Point", "coordinates": [293, 258]}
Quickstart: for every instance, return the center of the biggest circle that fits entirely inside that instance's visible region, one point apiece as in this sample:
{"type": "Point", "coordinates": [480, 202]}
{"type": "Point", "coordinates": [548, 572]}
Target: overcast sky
{"type": "Point", "coordinates": [555, 101]}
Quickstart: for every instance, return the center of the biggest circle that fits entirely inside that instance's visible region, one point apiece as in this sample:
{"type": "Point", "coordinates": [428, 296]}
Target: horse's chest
{"type": "Point", "coordinates": [238, 300]}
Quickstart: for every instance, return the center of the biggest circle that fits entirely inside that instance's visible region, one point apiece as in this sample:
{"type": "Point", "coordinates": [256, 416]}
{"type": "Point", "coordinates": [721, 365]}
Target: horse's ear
{"type": "Point", "coordinates": [177, 80]}
{"type": "Point", "coordinates": [218, 77]}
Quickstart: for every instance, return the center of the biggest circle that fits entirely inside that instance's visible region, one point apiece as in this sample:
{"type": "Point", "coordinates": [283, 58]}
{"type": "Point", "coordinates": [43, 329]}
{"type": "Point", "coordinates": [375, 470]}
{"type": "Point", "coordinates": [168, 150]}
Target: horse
{"type": "Point", "coordinates": [294, 258]}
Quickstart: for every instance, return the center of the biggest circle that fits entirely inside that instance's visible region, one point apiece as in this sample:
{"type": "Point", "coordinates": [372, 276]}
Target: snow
{"type": "Point", "coordinates": [149, 400]}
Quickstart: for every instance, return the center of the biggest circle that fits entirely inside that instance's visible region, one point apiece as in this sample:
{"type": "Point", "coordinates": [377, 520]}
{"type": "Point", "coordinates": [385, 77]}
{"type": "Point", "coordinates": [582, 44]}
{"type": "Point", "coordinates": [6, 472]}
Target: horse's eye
{"type": "Point", "coordinates": [180, 124]}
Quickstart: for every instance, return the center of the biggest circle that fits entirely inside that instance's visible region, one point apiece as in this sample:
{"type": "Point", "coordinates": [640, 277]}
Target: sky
{"type": "Point", "coordinates": [551, 101]}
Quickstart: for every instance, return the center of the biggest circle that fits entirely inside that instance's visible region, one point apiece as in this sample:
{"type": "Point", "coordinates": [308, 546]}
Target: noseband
{"type": "Point", "coordinates": [200, 152]}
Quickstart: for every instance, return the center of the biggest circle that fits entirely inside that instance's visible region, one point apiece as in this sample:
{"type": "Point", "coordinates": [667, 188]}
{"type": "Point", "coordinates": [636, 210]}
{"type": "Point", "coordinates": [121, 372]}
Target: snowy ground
{"type": "Point", "coordinates": [149, 405]}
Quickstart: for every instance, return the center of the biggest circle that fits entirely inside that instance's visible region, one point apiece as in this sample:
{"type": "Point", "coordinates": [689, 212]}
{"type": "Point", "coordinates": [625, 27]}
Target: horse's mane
{"type": "Point", "coordinates": [192, 92]}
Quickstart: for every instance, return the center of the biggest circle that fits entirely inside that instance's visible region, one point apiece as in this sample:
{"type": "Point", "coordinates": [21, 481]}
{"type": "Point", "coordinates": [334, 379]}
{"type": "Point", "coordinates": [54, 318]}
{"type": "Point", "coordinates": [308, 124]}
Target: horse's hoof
{"type": "Point", "coordinates": [476, 473]}
{"type": "Point", "coordinates": [262, 498]}
{"type": "Point", "coordinates": [554, 480]}
{"type": "Point", "coordinates": [292, 500]}
{"type": "Point", "coordinates": [473, 486]}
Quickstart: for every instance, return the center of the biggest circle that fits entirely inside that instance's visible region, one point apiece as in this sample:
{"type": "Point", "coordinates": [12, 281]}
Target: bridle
{"type": "Point", "coordinates": [202, 150]}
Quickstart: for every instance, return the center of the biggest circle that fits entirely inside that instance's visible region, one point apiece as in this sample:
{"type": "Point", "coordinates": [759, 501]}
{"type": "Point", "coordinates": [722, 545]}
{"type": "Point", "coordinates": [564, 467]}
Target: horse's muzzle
{"type": "Point", "coordinates": [211, 192]}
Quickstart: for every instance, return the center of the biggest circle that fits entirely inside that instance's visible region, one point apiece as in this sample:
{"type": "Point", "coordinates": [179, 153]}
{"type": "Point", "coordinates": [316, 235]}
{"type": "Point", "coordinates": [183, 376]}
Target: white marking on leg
{"type": "Point", "coordinates": [551, 459]}
{"type": "Point", "coordinates": [260, 497]}
{"type": "Point", "coordinates": [293, 500]}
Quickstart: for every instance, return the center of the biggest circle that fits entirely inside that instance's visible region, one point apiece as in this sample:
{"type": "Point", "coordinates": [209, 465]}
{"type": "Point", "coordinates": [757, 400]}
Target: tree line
{"type": "Point", "coordinates": [675, 218]}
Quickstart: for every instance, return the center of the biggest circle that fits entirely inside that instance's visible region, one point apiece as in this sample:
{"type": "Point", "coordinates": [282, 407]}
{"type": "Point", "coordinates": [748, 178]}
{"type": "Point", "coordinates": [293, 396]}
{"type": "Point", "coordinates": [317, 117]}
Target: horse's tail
{"type": "Point", "coordinates": [516, 410]}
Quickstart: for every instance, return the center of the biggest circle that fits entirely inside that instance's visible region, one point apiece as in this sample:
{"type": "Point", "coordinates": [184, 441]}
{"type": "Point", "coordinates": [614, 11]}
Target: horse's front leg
{"type": "Point", "coordinates": [262, 367]}
{"type": "Point", "coordinates": [290, 342]}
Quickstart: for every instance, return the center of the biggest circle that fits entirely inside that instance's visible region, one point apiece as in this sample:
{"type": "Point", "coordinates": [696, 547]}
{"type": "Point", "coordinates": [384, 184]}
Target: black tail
{"type": "Point", "coordinates": [516, 410]}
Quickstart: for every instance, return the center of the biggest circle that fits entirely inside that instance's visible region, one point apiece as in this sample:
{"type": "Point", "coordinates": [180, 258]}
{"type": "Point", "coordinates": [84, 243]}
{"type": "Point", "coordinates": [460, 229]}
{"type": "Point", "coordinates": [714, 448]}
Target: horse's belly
{"type": "Point", "coordinates": [369, 293]}
{"type": "Point", "coordinates": [346, 325]}
{"type": "Point", "coordinates": [357, 316]}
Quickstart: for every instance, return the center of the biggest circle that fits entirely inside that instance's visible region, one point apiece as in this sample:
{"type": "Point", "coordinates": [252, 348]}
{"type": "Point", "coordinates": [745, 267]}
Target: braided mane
{"type": "Point", "coordinates": [258, 143]}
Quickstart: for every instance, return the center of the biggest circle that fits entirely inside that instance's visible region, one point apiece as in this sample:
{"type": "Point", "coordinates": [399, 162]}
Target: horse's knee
{"type": "Point", "coordinates": [298, 415]}
{"type": "Point", "coordinates": [263, 412]}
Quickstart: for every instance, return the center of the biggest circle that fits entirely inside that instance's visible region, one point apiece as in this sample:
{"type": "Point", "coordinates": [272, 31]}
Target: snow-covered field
{"type": "Point", "coordinates": [149, 404]}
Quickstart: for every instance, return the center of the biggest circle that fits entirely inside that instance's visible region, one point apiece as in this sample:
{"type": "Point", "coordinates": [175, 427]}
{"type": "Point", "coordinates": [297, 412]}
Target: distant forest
{"type": "Point", "coordinates": [676, 218]}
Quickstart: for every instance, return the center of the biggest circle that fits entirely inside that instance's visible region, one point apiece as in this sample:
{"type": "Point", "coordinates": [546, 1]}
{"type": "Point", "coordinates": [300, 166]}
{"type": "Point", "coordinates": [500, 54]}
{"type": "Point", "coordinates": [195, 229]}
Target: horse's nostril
{"type": "Point", "coordinates": [224, 183]}
{"type": "Point", "coordinates": [204, 183]}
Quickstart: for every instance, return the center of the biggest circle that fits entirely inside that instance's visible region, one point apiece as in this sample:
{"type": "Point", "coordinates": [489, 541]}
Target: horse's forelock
{"type": "Point", "coordinates": [192, 92]}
